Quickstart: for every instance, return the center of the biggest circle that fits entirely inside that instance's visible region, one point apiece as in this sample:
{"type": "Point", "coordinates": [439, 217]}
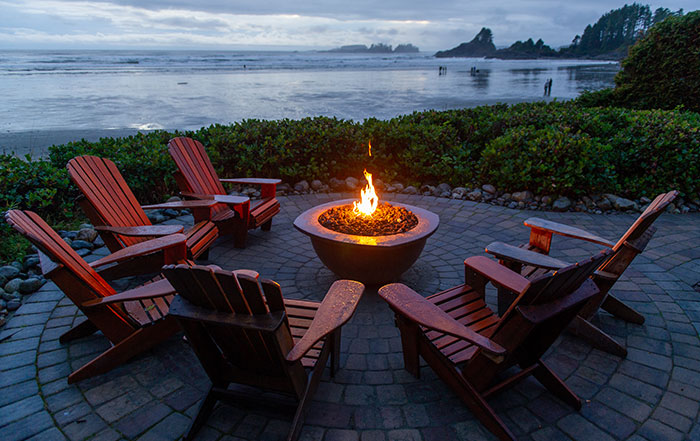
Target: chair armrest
{"type": "Point", "coordinates": [231, 200]}
{"type": "Point", "coordinates": [174, 243]}
{"type": "Point", "coordinates": [526, 257]}
{"type": "Point", "coordinates": [182, 205]}
{"type": "Point", "coordinates": [335, 310]}
{"type": "Point", "coordinates": [251, 181]}
{"type": "Point", "coordinates": [161, 288]}
{"type": "Point", "coordinates": [416, 308]}
{"type": "Point", "coordinates": [144, 230]}
{"type": "Point", "coordinates": [542, 313]}
{"type": "Point", "coordinates": [565, 230]}
{"type": "Point", "coordinates": [497, 274]}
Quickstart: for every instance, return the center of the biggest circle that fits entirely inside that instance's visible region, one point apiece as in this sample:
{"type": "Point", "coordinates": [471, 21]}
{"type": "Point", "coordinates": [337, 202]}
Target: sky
{"type": "Point", "coordinates": [292, 25]}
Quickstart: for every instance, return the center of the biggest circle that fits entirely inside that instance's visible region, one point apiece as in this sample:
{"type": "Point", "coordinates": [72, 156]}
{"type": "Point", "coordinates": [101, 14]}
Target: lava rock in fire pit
{"type": "Point", "coordinates": [386, 220]}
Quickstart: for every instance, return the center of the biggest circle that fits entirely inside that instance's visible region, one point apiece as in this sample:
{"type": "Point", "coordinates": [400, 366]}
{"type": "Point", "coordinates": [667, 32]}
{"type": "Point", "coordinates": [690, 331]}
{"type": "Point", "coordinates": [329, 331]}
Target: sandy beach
{"type": "Point", "coordinates": [37, 142]}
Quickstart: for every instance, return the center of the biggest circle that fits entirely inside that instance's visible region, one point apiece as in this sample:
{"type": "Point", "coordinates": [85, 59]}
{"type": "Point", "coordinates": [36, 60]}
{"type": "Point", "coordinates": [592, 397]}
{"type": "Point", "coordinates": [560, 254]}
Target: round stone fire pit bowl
{"type": "Point", "coordinates": [372, 260]}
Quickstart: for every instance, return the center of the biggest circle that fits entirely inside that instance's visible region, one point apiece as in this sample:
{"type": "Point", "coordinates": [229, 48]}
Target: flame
{"type": "Point", "coordinates": [369, 199]}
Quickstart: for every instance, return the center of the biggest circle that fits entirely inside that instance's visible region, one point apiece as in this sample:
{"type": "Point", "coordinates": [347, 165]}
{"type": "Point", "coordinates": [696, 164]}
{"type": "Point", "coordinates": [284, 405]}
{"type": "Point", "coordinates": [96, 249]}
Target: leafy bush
{"type": "Point", "coordinates": [553, 148]}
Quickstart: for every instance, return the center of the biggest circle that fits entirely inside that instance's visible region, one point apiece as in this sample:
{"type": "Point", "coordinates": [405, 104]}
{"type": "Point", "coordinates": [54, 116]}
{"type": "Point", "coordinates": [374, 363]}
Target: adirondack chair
{"type": "Point", "coordinates": [235, 215]}
{"type": "Point", "coordinates": [468, 345]}
{"type": "Point", "coordinates": [133, 320]}
{"type": "Point", "coordinates": [244, 332]}
{"type": "Point", "coordinates": [532, 259]}
{"type": "Point", "coordinates": [121, 222]}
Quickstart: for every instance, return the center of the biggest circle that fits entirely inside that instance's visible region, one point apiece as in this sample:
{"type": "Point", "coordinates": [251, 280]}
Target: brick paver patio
{"type": "Point", "coordinates": [652, 394]}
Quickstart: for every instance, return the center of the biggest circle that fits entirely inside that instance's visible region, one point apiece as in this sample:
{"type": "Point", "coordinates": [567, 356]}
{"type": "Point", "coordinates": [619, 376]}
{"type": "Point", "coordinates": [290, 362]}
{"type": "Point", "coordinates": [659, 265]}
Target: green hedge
{"type": "Point", "coordinates": [554, 148]}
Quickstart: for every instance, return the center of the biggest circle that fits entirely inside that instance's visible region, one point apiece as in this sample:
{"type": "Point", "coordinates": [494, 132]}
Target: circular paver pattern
{"type": "Point", "coordinates": [652, 394]}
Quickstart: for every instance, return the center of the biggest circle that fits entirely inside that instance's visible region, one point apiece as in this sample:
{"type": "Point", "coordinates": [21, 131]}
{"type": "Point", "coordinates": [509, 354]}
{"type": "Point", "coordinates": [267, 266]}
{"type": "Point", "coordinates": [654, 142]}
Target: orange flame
{"type": "Point", "coordinates": [369, 199]}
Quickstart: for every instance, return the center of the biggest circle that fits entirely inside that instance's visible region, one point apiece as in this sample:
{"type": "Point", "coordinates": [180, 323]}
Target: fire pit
{"type": "Point", "coordinates": [370, 259]}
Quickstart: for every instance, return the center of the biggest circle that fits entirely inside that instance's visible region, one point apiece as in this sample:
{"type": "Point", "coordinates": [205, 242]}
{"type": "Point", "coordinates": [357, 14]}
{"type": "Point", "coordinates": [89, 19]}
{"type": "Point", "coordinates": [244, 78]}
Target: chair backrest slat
{"type": "Point", "coordinates": [104, 186]}
{"type": "Point", "coordinates": [644, 221]}
{"type": "Point", "coordinates": [193, 162]}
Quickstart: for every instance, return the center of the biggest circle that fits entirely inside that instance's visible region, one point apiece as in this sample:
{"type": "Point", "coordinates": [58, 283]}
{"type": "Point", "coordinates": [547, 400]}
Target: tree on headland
{"type": "Point", "coordinates": [662, 70]}
{"type": "Point", "coordinates": [480, 46]}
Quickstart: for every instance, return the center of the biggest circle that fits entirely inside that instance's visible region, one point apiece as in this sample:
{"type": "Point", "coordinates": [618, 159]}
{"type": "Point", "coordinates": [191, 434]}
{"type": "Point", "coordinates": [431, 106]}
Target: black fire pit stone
{"type": "Point", "coordinates": [372, 260]}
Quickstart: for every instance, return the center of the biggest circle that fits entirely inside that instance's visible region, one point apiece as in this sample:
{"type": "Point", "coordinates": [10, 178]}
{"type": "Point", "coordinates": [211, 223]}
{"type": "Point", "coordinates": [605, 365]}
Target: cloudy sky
{"type": "Point", "coordinates": [285, 24]}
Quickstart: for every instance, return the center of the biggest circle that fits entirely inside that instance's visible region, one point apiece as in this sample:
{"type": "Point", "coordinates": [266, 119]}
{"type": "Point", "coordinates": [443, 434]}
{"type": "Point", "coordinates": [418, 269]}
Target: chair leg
{"type": "Point", "coordinates": [305, 399]}
{"type": "Point", "coordinates": [555, 385]}
{"type": "Point", "coordinates": [266, 226]}
{"type": "Point", "coordinates": [240, 235]}
{"type": "Point", "coordinates": [204, 255]}
{"type": "Point", "coordinates": [82, 329]}
{"type": "Point", "coordinates": [203, 413]}
{"type": "Point", "coordinates": [141, 340]}
{"type": "Point", "coordinates": [617, 308]}
{"type": "Point", "coordinates": [335, 351]}
{"type": "Point", "coordinates": [596, 337]}
{"type": "Point", "coordinates": [409, 344]}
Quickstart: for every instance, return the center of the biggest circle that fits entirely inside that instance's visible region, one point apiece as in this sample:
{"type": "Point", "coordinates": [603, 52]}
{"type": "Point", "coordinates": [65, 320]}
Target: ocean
{"type": "Point", "coordinates": [74, 92]}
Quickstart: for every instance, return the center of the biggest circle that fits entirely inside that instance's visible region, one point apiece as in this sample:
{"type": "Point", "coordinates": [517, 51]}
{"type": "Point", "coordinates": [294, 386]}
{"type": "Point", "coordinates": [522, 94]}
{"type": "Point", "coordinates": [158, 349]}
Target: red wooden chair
{"type": "Point", "coordinates": [470, 347]}
{"type": "Point", "coordinates": [244, 332]}
{"type": "Point", "coordinates": [121, 222]}
{"type": "Point", "coordinates": [532, 259]}
{"type": "Point", "coordinates": [197, 179]}
{"type": "Point", "coordinates": [133, 321]}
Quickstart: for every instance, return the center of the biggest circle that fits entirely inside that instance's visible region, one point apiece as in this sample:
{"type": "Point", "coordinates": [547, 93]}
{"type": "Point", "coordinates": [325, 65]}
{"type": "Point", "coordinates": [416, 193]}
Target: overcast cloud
{"type": "Point", "coordinates": [302, 24]}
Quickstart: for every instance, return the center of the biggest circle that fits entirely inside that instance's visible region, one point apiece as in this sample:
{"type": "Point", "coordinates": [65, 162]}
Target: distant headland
{"type": "Point", "coordinates": [376, 48]}
{"type": "Point", "coordinates": [608, 39]}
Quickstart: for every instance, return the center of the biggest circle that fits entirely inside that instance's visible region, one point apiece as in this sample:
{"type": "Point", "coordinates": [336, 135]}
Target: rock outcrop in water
{"type": "Point", "coordinates": [376, 48]}
{"type": "Point", "coordinates": [481, 46]}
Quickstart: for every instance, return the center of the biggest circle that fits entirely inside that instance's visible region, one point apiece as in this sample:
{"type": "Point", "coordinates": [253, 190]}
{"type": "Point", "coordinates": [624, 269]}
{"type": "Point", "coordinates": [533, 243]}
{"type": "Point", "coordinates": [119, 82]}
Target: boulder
{"type": "Point", "coordinates": [444, 187]}
{"type": "Point", "coordinates": [301, 186]}
{"type": "Point", "coordinates": [31, 285]}
{"type": "Point", "coordinates": [604, 204]}
{"type": "Point", "coordinates": [351, 183]}
{"type": "Point", "coordinates": [546, 200]}
{"type": "Point", "coordinates": [82, 252]}
{"type": "Point", "coordinates": [13, 305]}
{"type": "Point", "coordinates": [561, 204]}
{"type": "Point", "coordinates": [427, 190]}
{"type": "Point", "coordinates": [461, 191]}
{"type": "Point", "coordinates": [168, 212]}
{"type": "Point", "coordinates": [155, 216]}
{"type": "Point", "coordinates": [644, 200]}
{"type": "Point", "coordinates": [513, 205]}
{"type": "Point", "coordinates": [9, 271]}
{"type": "Point", "coordinates": [67, 234]}
{"type": "Point", "coordinates": [316, 185]}
{"type": "Point", "coordinates": [78, 244]}
{"type": "Point", "coordinates": [98, 243]}
{"type": "Point", "coordinates": [283, 188]}
{"type": "Point", "coordinates": [445, 194]}
{"type": "Point", "coordinates": [86, 227]}
{"type": "Point", "coordinates": [620, 203]}
{"type": "Point", "coordinates": [522, 196]}
{"type": "Point", "coordinates": [174, 199]}
{"type": "Point", "coordinates": [336, 184]}
{"type": "Point", "coordinates": [488, 188]}
{"type": "Point", "coordinates": [410, 190]}
{"type": "Point", "coordinates": [474, 195]}
{"type": "Point", "coordinates": [398, 186]}
{"type": "Point", "coordinates": [13, 285]}
{"type": "Point", "coordinates": [31, 261]}
{"type": "Point", "coordinates": [379, 184]}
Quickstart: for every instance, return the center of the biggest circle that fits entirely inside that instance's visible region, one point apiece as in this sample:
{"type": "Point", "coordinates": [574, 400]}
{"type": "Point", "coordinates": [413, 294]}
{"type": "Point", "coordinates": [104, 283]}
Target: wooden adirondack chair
{"type": "Point", "coordinates": [532, 259]}
{"type": "Point", "coordinates": [121, 222]}
{"type": "Point", "coordinates": [133, 321]}
{"type": "Point", "coordinates": [468, 345]}
{"type": "Point", "coordinates": [235, 215]}
{"type": "Point", "coordinates": [244, 332]}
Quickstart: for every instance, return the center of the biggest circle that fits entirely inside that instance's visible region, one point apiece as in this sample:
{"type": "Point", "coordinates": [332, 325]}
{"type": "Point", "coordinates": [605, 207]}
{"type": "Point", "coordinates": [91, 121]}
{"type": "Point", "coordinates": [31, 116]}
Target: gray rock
{"type": "Point", "coordinates": [513, 205]}
{"type": "Point", "coordinates": [444, 187]}
{"type": "Point", "coordinates": [31, 261]}
{"type": "Point", "coordinates": [82, 252]}
{"type": "Point", "coordinates": [522, 196]}
{"type": "Point", "coordinates": [98, 243]}
{"type": "Point", "coordinates": [378, 184]}
{"type": "Point", "coordinates": [336, 184]}
{"type": "Point", "coordinates": [427, 190]}
{"type": "Point", "coordinates": [13, 305]}
{"type": "Point", "coordinates": [85, 226]}
{"type": "Point", "coordinates": [588, 202]}
{"type": "Point", "coordinates": [174, 199]}
{"type": "Point", "coordinates": [488, 188]}
{"type": "Point", "coordinates": [155, 216]}
{"type": "Point", "coordinates": [561, 204]}
{"type": "Point", "coordinates": [398, 186]}
{"type": "Point", "coordinates": [598, 212]}
{"type": "Point", "coordinates": [7, 296]}
{"type": "Point", "coordinates": [67, 234]}
{"type": "Point", "coordinates": [31, 285]}
{"type": "Point", "coordinates": [302, 186]}
{"type": "Point", "coordinates": [604, 204]}
{"type": "Point", "coordinates": [3, 304]}
{"type": "Point", "coordinates": [546, 200]}
{"type": "Point", "coordinates": [644, 200]}
{"type": "Point", "coordinates": [283, 188]}
{"type": "Point", "coordinates": [506, 196]}
{"type": "Point", "coordinates": [474, 195]}
{"type": "Point", "coordinates": [621, 204]}
{"type": "Point", "coordinates": [17, 265]}
{"type": "Point", "coordinates": [3, 281]}
{"type": "Point", "coordinates": [445, 194]}
{"type": "Point", "coordinates": [459, 190]}
{"type": "Point", "coordinates": [410, 190]}
{"type": "Point", "coordinates": [86, 234]}
{"type": "Point", "coordinates": [521, 205]}
{"type": "Point", "coordinates": [78, 244]}
{"type": "Point", "coordinates": [351, 183]}
{"type": "Point", "coordinates": [316, 184]}
{"type": "Point", "coordinates": [170, 212]}
{"type": "Point", "coordinates": [9, 271]}
{"type": "Point", "coordinates": [13, 285]}
{"type": "Point", "coordinates": [685, 209]}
